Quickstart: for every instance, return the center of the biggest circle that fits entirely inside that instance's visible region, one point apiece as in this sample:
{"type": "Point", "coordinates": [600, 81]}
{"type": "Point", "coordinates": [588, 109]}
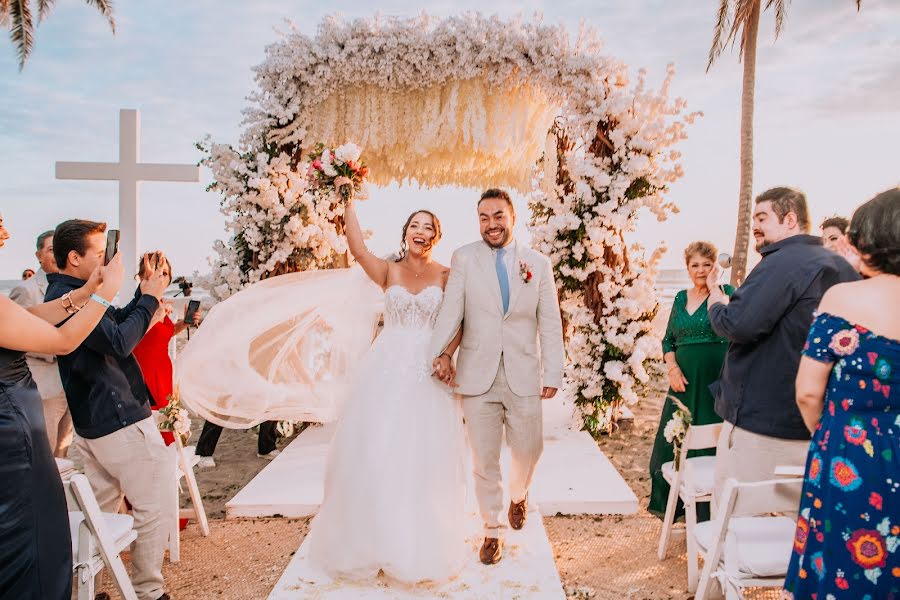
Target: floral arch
{"type": "Point", "coordinates": [475, 102]}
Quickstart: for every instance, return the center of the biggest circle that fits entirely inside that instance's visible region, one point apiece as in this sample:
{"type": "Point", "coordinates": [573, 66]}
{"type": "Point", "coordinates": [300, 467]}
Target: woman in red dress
{"type": "Point", "coordinates": [152, 353]}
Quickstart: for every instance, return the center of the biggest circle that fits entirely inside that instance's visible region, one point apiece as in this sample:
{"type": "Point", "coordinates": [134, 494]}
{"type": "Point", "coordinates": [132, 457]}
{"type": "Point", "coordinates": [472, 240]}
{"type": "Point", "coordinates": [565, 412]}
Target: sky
{"type": "Point", "coordinates": [827, 111]}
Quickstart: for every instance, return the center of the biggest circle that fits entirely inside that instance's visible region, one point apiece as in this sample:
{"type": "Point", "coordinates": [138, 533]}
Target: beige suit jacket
{"type": "Point", "coordinates": [528, 337]}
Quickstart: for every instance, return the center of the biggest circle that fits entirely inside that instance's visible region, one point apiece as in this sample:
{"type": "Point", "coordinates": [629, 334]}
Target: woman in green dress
{"type": "Point", "coordinates": [694, 356]}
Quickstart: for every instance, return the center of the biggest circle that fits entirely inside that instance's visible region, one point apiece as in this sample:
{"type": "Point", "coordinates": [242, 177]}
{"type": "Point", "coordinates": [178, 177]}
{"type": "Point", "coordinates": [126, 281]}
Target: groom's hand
{"type": "Point", "coordinates": [547, 393]}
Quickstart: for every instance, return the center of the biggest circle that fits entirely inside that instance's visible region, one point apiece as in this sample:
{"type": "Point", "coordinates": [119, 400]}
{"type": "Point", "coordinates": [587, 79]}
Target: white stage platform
{"type": "Point", "coordinates": [573, 477]}
{"type": "Point", "coordinates": [527, 571]}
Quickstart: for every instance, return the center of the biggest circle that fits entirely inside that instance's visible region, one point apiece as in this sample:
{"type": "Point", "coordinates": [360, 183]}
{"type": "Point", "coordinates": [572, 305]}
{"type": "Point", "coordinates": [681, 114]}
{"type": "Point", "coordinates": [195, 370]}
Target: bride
{"type": "Point", "coordinates": [299, 347]}
{"type": "Point", "coordinates": [395, 479]}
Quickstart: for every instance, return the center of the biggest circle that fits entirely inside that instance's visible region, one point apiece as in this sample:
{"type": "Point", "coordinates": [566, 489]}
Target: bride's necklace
{"type": "Point", "coordinates": [413, 271]}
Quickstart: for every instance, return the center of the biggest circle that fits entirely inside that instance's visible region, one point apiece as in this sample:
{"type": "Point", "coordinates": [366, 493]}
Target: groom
{"type": "Point", "coordinates": [503, 296]}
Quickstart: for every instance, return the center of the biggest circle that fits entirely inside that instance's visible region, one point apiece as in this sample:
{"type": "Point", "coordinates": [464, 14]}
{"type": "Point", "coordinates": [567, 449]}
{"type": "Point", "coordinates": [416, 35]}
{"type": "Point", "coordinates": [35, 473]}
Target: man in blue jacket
{"type": "Point", "coordinates": [767, 321]}
{"type": "Point", "coordinates": [124, 454]}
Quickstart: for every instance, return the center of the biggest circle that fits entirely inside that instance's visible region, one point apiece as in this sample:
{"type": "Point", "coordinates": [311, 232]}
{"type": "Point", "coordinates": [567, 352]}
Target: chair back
{"type": "Point", "coordinates": [699, 437]}
{"type": "Point", "coordinates": [761, 497]}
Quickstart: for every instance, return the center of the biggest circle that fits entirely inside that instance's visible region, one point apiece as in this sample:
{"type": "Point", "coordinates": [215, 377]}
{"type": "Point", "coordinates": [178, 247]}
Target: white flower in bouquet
{"type": "Point", "coordinates": [349, 152]}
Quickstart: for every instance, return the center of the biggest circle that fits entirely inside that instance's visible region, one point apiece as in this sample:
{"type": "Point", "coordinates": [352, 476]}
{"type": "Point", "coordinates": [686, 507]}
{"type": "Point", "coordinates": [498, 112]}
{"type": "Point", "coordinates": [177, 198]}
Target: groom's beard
{"type": "Point", "coordinates": [507, 237]}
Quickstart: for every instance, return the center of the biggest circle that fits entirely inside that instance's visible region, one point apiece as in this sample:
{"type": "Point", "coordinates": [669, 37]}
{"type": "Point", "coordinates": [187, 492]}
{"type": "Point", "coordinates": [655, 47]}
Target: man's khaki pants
{"type": "Point", "coordinates": [133, 462]}
{"type": "Point", "coordinates": [59, 424]}
{"type": "Point", "coordinates": [485, 417]}
{"type": "Point", "coordinates": [748, 456]}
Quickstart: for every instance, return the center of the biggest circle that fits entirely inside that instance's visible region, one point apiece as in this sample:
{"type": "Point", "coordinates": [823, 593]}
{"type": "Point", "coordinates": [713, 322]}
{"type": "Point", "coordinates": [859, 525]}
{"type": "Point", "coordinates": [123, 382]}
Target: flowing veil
{"type": "Point", "coordinates": [281, 349]}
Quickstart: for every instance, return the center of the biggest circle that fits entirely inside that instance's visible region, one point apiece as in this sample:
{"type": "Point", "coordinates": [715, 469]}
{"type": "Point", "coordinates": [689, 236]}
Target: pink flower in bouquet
{"type": "Point", "coordinates": [317, 165]}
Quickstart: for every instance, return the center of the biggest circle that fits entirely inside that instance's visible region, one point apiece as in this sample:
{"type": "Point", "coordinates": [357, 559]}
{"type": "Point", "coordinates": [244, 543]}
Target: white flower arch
{"type": "Point", "coordinates": [475, 102]}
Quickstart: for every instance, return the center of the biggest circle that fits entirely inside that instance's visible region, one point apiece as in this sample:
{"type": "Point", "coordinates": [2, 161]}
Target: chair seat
{"type": "Point", "coordinates": [118, 526]}
{"type": "Point", "coordinates": [699, 471]}
{"type": "Point", "coordinates": [763, 543]}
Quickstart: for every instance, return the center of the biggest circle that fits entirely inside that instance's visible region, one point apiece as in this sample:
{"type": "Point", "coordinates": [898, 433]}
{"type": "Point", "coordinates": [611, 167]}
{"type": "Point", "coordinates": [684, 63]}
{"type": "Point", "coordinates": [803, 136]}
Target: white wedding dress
{"type": "Point", "coordinates": [395, 482]}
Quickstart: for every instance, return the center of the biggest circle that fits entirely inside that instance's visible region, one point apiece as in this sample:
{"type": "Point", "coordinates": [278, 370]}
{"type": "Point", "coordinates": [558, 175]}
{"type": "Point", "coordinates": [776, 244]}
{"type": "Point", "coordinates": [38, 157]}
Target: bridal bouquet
{"type": "Point", "coordinates": [340, 169]}
{"type": "Point", "coordinates": [677, 428]}
{"type": "Point", "coordinates": [175, 418]}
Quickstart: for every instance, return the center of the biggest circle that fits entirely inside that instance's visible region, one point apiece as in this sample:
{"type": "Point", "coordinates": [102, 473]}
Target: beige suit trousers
{"type": "Point", "coordinates": [486, 416]}
{"type": "Point", "coordinates": [748, 456]}
{"type": "Point", "coordinates": [133, 462]}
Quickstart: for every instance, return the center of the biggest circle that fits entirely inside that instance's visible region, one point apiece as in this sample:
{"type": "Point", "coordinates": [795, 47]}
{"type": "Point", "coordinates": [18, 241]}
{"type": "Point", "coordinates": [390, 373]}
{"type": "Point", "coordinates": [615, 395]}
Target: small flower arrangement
{"type": "Point", "coordinates": [677, 427]}
{"type": "Point", "coordinates": [175, 418]}
{"type": "Point", "coordinates": [525, 271]}
{"type": "Point", "coordinates": [340, 169]}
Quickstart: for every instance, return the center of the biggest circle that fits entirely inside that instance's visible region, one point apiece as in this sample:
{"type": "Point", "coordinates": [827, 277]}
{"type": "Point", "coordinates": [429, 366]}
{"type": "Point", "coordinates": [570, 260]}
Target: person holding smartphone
{"type": "Point", "coordinates": [118, 441]}
{"type": "Point", "coordinates": [152, 352]}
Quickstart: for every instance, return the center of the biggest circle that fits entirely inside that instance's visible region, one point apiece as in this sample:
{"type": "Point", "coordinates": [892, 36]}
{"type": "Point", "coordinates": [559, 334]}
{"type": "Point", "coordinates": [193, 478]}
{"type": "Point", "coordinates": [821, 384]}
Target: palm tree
{"type": "Point", "coordinates": [743, 22]}
{"type": "Point", "coordinates": [17, 15]}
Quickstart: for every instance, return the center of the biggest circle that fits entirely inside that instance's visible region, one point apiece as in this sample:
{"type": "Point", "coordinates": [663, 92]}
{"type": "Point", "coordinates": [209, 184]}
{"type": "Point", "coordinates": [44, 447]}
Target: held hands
{"type": "Point", "coordinates": [444, 370]}
{"type": "Point", "coordinates": [677, 381]}
{"type": "Point", "coordinates": [156, 281]}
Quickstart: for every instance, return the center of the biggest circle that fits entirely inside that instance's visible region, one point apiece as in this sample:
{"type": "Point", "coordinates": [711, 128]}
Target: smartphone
{"type": "Point", "coordinates": [191, 314]}
{"type": "Point", "coordinates": [112, 245]}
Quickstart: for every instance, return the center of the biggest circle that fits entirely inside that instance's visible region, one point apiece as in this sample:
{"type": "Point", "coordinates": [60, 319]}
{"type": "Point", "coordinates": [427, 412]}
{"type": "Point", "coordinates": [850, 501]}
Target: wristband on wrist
{"type": "Point", "coordinates": [100, 300]}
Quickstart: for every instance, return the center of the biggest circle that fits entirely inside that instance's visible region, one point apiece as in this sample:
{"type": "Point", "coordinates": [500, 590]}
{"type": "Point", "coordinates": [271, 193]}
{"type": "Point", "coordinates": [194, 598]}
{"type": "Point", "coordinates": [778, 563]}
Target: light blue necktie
{"type": "Point", "coordinates": [503, 278]}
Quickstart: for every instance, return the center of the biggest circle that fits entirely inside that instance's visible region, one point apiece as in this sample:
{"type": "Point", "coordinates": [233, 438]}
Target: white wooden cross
{"type": "Point", "coordinates": [129, 172]}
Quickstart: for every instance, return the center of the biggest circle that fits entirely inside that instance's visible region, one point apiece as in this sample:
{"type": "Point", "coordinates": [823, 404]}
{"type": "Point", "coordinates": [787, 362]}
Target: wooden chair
{"type": "Point", "coordinates": [97, 540]}
{"type": "Point", "coordinates": [693, 483]}
{"type": "Point", "coordinates": [745, 546]}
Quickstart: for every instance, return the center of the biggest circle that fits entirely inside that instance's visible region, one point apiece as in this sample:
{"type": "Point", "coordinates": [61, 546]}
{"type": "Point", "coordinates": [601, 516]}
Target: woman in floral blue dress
{"type": "Point", "coordinates": [848, 391]}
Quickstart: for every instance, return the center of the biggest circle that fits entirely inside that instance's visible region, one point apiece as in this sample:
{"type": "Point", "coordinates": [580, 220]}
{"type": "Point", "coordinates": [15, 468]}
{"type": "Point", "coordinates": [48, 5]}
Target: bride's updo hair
{"type": "Point", "coordinates": [404, 247]}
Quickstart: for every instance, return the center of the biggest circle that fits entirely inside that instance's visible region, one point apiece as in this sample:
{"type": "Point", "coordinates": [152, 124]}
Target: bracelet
{"type": "Point", "coordinates": [71, 307]}
{"type": "Point", "coordinates": [100, 300]}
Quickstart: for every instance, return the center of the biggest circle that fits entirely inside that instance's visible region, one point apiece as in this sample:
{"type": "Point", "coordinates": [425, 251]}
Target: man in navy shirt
{"type": "Point", "coordinates": [124, 454]}
{"type": "Point", "coordinates": [767, 321]}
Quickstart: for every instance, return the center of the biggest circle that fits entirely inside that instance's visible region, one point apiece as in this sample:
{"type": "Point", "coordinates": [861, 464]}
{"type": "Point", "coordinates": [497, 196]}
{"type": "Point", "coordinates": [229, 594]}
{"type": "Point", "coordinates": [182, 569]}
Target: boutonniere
{"type": "Point", "coordinates": [525, 271]}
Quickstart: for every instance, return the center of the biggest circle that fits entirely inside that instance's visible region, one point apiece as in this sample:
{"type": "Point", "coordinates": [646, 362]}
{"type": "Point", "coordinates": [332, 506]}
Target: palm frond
{"type": "Point", "coordinates": [44, 8]}
{"type": "Point", "coordinates": [106, 9]}
{"type": "Point", "coordinates": [4, 13]}
{"type": "Point", "coordinates": [21, 29]}
{"type": "Point", "coordinates": [722, 23]}
{"type": "Point", "coordinates": [742, 15]}
{"type": "Point", "coordinates": [780, 14]}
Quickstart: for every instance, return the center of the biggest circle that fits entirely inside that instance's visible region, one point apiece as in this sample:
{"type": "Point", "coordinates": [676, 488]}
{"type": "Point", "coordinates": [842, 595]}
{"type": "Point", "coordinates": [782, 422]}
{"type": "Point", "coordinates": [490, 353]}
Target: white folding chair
{"type": "Point", "coordinates": [741, 547]}
{"type": "Point", "coordinates": [185, 459]}
{"type": "Point", "coordinates": [692, 482]}
{"type": "Point", "coordinates": [97, 540]}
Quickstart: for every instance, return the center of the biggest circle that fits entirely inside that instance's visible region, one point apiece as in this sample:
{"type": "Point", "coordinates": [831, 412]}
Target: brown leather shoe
{"type": "Point", "coordinates": [517, 512]}
{"type": "Point", "coordinates": [491, 551]}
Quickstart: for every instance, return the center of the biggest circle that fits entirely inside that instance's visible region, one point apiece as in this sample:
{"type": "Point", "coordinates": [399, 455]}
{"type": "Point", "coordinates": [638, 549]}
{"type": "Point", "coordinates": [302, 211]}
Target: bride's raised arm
{"type": "Point", "coordinates": [376, 268]}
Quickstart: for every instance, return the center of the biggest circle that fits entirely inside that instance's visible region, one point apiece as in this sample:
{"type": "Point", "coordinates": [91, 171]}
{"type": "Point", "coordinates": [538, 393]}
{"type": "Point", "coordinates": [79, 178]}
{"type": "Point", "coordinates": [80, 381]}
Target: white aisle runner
{"type": "Point", "coordinates": [526, 571]}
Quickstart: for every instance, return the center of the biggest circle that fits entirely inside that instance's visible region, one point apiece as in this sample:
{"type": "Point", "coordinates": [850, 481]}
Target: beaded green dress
{"type": "Point", "coordinates": [699, 353]}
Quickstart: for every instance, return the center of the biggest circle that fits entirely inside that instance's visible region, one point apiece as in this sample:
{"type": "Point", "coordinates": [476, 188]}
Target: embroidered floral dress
{"type": "Point", "coordinates": [848, 528]}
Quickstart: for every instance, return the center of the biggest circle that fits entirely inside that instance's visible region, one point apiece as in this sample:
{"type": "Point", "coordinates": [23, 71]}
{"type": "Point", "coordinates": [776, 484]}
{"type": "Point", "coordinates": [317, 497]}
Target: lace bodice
{"type": "Point", "coordinates": [404, 309]}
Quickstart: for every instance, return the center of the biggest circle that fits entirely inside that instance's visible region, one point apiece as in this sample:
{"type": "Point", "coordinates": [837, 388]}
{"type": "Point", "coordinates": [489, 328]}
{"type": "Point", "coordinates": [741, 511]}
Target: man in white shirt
{"type": "Point", "coordinates": [43, 366]}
